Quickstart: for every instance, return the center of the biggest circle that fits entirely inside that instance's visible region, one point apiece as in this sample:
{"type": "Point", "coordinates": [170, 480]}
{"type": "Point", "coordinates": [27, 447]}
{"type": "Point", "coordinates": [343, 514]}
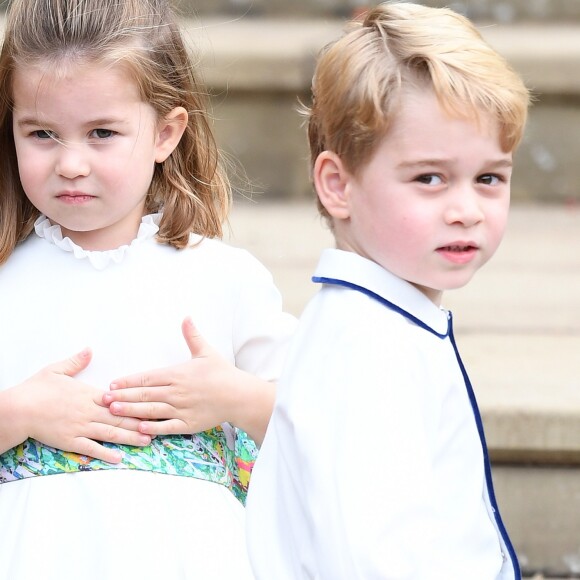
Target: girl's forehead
{"type": "Point", "coordinates": [75, 94]}
{"type": "Point", "coordinates": [45, 76]}
{"type": "Point", "coordinates": [64, 67]}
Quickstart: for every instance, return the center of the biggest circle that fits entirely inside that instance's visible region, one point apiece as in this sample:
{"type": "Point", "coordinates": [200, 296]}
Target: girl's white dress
{"type": "Point", "coordinates": [173, 510]}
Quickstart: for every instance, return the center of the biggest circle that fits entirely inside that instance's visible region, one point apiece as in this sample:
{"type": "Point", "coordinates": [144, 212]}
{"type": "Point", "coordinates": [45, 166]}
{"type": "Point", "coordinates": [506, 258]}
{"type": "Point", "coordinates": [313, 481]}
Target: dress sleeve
{"type": "Point", "coordinates": [262, 330]}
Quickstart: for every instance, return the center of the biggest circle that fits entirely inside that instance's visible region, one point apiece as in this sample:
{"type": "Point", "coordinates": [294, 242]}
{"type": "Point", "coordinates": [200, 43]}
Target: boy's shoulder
{"type": "Point", "coordinates": [352, 320]}
{"type": "Point", "coordinates": [355, 291]}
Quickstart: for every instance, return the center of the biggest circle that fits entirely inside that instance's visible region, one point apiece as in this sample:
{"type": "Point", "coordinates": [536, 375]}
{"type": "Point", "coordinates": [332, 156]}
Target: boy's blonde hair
{"type": "Point", "coordinates": [142, 35]}
{"type": "Point", "coordinates": [361, 78]}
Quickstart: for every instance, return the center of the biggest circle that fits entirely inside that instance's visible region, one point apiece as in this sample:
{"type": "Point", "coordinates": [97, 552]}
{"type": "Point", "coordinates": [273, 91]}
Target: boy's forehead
{"type": "Point", "coordinates": [424, 110]}
{"type": "Point", "coordinates": [423, 132]}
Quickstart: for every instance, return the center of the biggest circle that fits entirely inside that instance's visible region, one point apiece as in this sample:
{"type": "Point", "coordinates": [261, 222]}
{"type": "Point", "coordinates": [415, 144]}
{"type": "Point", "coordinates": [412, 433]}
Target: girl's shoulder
{"type": "Point", "coordinates": [222, 254]}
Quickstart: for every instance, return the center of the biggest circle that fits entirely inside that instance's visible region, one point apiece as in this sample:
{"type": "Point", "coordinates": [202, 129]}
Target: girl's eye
{"type": "Point", "coordinates": [430, 179]}
{"type": "Point", "coordinates": [103, 133]}
{"type": "Point", "coordinates": [44, 134]}
{"type": "Point", "coordinates": [489, 179]}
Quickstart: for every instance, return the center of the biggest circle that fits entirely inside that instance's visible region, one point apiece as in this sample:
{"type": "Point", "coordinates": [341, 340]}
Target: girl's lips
{"type": "Point", "coordinates": [75, 197]}
{"type": "Point", "coordinates": [458, 253]}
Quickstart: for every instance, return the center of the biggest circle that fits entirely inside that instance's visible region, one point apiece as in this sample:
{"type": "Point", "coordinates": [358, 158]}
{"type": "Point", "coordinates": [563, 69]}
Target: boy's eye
{"type": "Point", "coordinates": [103, 133]}
{"type": "Point", "coordinates": [430, 179]}
{"type": "Point", "coordinates": [489, 179]}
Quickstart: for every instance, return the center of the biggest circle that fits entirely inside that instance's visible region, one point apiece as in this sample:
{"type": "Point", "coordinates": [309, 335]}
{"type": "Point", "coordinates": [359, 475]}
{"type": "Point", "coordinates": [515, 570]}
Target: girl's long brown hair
{"type": "Point", "coordinates": [191, 186]}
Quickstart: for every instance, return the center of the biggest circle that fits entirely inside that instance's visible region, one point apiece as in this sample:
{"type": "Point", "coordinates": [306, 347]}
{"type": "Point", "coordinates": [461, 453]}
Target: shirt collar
{"type": "Point", "coordinates": [354, 270]}
{"type": "Point", "coordinates": [52, 233]}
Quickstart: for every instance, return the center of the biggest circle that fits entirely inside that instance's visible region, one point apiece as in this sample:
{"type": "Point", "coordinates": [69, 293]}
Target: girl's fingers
{"type": "Point", "coordinates": [95, 450]}
{"type": "Point", "coordinates": [154, 410]}
{"type": "Point", "coordinates": [137, 395]}
{"type": "Point", "coordinates": [154, 378]}
{"type": "Point", "coordinates": [168, 427]}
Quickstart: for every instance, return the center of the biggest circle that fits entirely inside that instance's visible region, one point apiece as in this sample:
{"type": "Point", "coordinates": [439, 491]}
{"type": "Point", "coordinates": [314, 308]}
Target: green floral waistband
{"type": "Point", "coordinates": [223, 455]}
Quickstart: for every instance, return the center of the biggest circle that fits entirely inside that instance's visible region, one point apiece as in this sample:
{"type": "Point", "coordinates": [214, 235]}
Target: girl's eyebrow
{"type": "Point", "coordinates": [29, 121]}
{"type": "Point", "coordinates": [32, 121]}
{"type": "Point", "coordinates": [106, 121]}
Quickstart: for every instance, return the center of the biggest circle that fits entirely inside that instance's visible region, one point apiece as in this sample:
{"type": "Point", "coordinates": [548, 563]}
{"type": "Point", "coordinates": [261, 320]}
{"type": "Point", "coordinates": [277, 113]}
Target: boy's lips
{"type": "Point", "coordinates": [458, 252]}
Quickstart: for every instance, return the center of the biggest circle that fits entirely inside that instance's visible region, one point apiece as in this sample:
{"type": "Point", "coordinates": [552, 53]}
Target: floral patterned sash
{"type": "Point", "coordinates": [223, 455]}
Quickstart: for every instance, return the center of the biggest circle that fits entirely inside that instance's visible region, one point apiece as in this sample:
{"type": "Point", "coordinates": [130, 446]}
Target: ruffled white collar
{"type": "Point", "coordinates": [98, 259]}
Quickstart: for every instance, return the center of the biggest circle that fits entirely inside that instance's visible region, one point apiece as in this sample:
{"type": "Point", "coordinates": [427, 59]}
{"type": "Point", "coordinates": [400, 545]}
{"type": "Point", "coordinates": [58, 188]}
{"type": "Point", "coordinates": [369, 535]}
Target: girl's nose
{"type": "Point", "coordinates": [464, 208]}
{"type": "Point", "coordinates": [72, 162]}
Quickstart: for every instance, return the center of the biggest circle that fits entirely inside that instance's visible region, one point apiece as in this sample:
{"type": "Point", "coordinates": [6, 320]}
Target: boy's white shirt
{"type": "Point", "coordinates": [372, 466]}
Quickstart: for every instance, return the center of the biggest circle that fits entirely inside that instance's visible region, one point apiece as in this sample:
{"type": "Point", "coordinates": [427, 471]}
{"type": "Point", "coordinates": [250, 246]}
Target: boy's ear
{"type": "Point", "coordinates": [169, 132]}
{"type": "Point", "coordinates": [331, 180]}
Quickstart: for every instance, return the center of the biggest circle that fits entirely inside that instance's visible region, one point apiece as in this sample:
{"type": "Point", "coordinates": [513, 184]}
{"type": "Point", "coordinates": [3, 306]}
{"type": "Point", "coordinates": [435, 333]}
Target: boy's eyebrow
{"type": "Point", "coordinates": [500, 163]}
{"type": "Point", "coordinates": [495, 163]}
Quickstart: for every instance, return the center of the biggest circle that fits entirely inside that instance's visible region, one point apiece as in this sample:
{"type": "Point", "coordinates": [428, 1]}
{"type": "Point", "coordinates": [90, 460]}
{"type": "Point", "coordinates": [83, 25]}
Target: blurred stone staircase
{"type": "Point", "coordinates": [505, 11]}
{"type": "Point", "coordinates": [258, 58]}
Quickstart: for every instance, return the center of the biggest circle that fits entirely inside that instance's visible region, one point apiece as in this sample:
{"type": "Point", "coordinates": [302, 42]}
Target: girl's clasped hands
{"type": "Point", "coordinates": [64, 412]}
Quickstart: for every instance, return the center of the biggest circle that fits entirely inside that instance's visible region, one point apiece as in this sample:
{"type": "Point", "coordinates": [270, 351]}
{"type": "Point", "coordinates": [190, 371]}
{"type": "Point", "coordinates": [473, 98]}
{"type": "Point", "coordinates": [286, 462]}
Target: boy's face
{"type": "Point", "coordinates": [431, 206]}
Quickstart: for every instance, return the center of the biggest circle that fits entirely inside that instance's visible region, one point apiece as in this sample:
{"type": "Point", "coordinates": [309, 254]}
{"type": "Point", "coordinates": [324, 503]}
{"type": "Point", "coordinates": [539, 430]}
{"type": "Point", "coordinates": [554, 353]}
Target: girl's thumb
{"type": "Point", "coordinates": [75, 364]}
{"type": "Point", "coordinates": [194, 340]}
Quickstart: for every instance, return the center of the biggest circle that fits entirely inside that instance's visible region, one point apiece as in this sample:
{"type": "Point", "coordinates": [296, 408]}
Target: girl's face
{"type": "Point", "coordinates": [86, 146]}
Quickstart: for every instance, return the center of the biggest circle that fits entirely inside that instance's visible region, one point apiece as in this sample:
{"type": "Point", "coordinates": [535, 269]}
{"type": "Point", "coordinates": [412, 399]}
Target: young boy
{"type": "Point", "coordinates": [375, 464]}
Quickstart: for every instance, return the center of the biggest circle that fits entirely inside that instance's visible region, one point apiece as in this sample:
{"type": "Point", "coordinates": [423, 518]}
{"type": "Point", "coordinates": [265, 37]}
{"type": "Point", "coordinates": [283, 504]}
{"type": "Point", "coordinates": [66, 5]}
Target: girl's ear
{"type": "Point", "coordinates": [169, 132]}
{"type": "Point", "coordinates": [331, 180]}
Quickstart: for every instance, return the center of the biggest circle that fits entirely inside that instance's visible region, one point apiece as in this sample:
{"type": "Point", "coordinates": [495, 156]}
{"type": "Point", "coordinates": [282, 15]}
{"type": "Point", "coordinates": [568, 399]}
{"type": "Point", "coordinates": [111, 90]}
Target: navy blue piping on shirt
{"type": "Point", "coordinates": [470, 392]}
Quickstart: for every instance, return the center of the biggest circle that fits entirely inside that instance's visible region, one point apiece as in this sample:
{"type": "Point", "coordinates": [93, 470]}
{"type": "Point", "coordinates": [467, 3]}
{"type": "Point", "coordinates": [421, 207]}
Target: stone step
{"type": "Point", "coordinates": [259, 69]}
{"type": "Point", "coordinates": [506, 11]}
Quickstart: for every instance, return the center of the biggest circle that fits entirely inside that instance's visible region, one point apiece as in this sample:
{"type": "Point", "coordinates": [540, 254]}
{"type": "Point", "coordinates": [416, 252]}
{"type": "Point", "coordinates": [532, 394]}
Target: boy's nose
{"type": "Point", "coordinates": [72, 162]}
{"type": "Point", "coordinates": [464, 208]}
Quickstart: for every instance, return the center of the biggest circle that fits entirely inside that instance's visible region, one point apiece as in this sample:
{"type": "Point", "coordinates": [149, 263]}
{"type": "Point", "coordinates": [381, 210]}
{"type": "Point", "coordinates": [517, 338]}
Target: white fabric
{"type": "Point", "coordinates": [372, 467]}
{"type": "Point", "coordinates": [128, 305]}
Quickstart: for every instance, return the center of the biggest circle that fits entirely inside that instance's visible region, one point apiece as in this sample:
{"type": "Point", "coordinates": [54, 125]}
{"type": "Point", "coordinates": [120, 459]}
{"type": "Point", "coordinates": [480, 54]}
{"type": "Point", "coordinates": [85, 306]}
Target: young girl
{"type": "Point", "coordinates": [111, 193]}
